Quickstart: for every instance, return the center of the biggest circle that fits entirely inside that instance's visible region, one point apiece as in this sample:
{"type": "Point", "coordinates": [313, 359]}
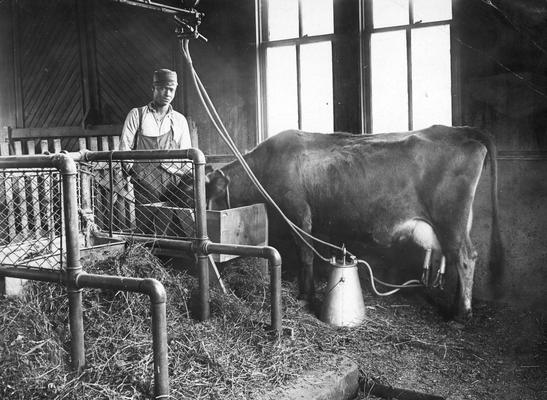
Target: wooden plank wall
{"type": "Point", "coordinates": [130, 43]}
{"type": "Point", "coordinates": [80, 62]}
{"type": "Point", "coordinates": [49, 83]}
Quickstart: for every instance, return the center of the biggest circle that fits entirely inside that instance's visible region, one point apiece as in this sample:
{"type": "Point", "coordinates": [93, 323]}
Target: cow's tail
{"type": "Point", "coordinates": [496, 265]}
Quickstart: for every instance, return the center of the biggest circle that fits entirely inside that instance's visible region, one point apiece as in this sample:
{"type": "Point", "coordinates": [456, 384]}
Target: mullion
{"type": "Point", "coordinates": [409, 64]}
{"type": "Point", "coordinates": [298, 64]}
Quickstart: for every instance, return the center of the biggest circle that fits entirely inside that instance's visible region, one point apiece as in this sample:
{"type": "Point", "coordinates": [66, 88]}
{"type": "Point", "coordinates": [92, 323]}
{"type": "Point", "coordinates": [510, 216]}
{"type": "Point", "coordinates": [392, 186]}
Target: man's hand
{"type": "Point", "coordinates": [127, 170]}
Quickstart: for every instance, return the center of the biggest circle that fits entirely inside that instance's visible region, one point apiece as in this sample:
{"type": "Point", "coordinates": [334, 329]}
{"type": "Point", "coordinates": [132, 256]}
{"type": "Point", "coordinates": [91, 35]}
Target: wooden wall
{"type": "Point", "coordinates": [85, 63]}
{"type": "Point", "coordinates": [503, 51]}
{"type": "Point", "coordinates": [503, 58]}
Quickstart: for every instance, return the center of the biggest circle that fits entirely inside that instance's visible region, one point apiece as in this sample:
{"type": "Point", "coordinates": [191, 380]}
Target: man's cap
{"type": "Point", "coordinates": [165, 77]}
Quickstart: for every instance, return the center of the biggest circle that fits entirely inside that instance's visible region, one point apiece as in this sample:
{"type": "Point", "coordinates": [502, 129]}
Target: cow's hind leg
{"type": "Point", "coordinates": [458, 291]}
{"type": "Point", "coordinates": [466, 271]}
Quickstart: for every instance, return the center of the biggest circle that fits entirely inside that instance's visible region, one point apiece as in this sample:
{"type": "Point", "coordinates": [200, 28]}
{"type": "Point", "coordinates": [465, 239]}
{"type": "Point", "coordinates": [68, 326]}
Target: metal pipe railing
{"type": "Point", "coordinates": [67, 167]}
{"type": "Point", "coordinates": [274, 265]}
{"type": "Point", "coordinates": [75, 279]}
{"type": "Point", "coordinates": [208, 247]}
{"type": "Point", "coordinates": [193, 154]}
{"type": "Point", "coordinates": [68, 170]}
{"type": "Point", "coordinates": [158, 299]}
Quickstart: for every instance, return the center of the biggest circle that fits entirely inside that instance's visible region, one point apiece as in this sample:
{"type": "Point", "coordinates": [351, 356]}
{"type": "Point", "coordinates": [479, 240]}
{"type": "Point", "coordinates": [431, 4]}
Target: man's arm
{"type": "Point", "coordinates": [184, 140]}
{"type": "Point", "coordinates": [129, 130]}
{"type": "Point", "coordinates": [127, 139]}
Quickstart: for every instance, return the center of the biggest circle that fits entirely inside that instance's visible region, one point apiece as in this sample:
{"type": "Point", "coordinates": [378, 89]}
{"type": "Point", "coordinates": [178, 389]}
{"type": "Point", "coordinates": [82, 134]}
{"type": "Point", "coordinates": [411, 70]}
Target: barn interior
{"type": "Point", "coordinates": [74, 68]}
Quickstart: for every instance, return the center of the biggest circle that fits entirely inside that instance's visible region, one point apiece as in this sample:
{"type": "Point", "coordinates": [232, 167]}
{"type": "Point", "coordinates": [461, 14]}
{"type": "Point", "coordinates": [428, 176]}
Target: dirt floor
{"type": "Point", "coordinates": [403, 343]}
{"type": "Point", "coordinates": [500, 354]}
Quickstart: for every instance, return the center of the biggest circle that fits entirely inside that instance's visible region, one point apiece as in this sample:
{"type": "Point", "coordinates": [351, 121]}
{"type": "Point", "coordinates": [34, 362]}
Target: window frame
{"type": "Point", "coordinates": [263, 44]}
{"type": "Point", "coordinates": [351, 79]}
{"type": "Point", "coordinates": [367, 29]}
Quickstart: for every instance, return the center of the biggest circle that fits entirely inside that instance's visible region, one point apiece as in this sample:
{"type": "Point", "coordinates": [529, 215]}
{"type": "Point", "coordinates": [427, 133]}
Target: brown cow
{"type": "Point", "coordinates": [372, 188]}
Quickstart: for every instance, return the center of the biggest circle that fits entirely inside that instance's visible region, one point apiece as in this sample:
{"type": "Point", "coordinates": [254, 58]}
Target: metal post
{"type": "Point", "coordinates": [201, 239]}
{"type": "Point", "coordinates": [275, 288]}
{"type": "Point", "coordinates": [159, 339]}
{"type": "Point", "coordinates": [73, 267]}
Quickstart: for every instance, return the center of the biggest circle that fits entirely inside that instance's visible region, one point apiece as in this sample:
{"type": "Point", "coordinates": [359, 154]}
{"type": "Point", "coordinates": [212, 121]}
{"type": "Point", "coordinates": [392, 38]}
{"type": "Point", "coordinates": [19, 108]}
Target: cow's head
{"type": "Point", "coordinates": [216, 190]}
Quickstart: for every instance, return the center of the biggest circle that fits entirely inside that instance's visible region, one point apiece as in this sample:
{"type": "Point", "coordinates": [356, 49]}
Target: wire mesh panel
{"type": "Point", "coordinates": [153, 198]}
{"type": "Point", "coordinates": [31, 231]}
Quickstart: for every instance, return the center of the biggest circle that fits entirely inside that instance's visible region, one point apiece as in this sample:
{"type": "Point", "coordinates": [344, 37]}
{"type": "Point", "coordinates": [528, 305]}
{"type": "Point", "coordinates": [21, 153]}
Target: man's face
{"type": "Point", "coordinates": [163, 95]}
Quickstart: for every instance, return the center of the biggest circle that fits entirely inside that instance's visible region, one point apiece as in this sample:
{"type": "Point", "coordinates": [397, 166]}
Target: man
{"type": "Point", "coordinates": [155, 126]}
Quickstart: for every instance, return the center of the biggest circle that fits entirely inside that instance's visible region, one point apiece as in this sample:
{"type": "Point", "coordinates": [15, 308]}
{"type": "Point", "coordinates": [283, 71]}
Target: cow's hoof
{"type": "Point", "coordinates": [456, 325]}
{"type": "Point", "coordinates": [303, 303]}
{"type": "Point", "coordinates": [312, 305]}
{"type": "Point", "coordinates": [461, 320]}
{"type": "Point", "coordinates": [463, 317]}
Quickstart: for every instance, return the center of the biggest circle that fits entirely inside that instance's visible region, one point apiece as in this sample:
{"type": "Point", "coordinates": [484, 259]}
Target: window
{"type": "Point", "coordinates": [400, 79]}
{"type": "Point", "coordinates": [410, 64]}
{"type": "Point", "coordinates": [296, 58]}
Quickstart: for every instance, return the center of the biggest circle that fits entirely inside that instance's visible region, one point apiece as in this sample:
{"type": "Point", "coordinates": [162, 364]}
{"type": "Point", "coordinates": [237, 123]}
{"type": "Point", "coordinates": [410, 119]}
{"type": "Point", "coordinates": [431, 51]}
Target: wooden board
{"type": "Point", "coordinates": [242, 225]}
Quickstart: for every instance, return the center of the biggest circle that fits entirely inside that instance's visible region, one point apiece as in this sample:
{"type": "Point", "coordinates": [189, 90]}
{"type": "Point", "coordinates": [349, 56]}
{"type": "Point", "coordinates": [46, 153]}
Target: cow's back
{"type": "Point", "coordinates": [363, 185]}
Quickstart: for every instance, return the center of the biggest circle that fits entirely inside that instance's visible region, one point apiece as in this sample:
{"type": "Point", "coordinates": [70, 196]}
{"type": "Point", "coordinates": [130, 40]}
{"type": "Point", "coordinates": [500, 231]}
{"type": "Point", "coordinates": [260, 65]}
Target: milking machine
{"type": "Point", "coordinates": [343, 304]}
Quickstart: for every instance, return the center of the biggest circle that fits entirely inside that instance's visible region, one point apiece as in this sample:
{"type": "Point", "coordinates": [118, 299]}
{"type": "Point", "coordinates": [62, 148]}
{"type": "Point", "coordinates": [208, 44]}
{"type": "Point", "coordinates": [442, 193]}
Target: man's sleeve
{"type": "Point", "coordinates": [129, 130]}
{"type": "Point", "coordinates": [185, 141]}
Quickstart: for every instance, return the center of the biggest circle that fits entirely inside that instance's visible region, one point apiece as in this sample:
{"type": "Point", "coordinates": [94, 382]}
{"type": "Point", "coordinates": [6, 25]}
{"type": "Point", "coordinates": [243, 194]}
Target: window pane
{"type": "Point", "coordinates": [317, 17]}
{"type": "Point", "coordinates": [389, 13]}
{"type": "Point", "coordinates": [282, 103]}
{"type": "Point", "coordinates": [389, 94]}
{"type": "Point", "coordinates": [432, 10]}
{"type": "Point", "coordinates": [316, 87]}
{"type": "Point", "coordinates": [431, 77]}
{"type": "Point", "coordinates": [282, 19]}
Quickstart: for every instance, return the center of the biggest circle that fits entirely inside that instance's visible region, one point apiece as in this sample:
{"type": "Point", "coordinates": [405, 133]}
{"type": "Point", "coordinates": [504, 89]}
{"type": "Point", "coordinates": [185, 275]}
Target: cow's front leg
{"type": "Point", "coordinates": [300, 214]}
{"type": "Point", "coordinates": [306, 277]}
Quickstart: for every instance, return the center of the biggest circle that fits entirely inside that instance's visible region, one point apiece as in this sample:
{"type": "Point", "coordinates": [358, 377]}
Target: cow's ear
{"type": "Point", "coordinates": [220, 183]}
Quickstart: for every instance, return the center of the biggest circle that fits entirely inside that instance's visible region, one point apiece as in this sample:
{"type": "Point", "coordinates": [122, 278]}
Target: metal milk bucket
{"type": "Point", "coordinates": [343, 304]}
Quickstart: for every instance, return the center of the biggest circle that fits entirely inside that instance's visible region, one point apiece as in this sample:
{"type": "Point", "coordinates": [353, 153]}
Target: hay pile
{"type": "Point", "coordinates": [230, 356]}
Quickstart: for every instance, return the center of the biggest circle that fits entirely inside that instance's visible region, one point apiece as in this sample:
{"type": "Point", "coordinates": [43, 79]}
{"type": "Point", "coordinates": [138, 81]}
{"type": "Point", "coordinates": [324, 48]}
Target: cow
{"type": "Point", "coordinates": [378, 188]}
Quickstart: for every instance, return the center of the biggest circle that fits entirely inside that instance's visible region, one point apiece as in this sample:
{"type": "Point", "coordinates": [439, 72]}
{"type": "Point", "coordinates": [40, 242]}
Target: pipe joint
{"type": "Point", "coordinates": [155, 290]}
{"type": "Point", "coordinates": [196, 155]}
{"type": "Point", "coordinates": [83, 154]}
{"type": "Point", "coordinates": [272, 255]}
{"type": "Point", "coordinates": [64, 163]}
{"type": "Point", "coordinates": [201, 246]}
